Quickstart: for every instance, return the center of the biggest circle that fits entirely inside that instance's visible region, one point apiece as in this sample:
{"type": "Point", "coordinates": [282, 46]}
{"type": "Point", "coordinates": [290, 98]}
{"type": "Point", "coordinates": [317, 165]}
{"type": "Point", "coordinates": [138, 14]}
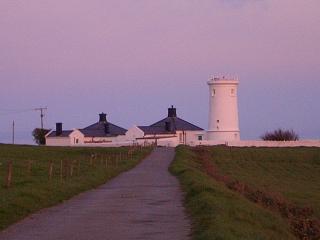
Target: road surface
{"type": "Point", "coordinates": [143, 203]}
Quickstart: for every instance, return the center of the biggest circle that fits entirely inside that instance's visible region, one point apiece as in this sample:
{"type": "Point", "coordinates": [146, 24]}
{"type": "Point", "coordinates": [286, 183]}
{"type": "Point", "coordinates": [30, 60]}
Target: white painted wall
{"type": "Point", "coordinates": [75, 138]}
{"type": "Point", "coordinates": [192, 137]}
{"type": "Point", "coordinates": [133, 133]}
{"type": "Point", "coordinates": [173, 140]}
{"type": "Point", "coordinates": [58, 141]}
{"type": "Point", "coordinates": [260, 143]}
{"type": "Point", "coordinates": [170, 140]}
{"type": "Point", "coordinates": [103, 140]}
{"type": "Point", "coordinates": [223, 110]}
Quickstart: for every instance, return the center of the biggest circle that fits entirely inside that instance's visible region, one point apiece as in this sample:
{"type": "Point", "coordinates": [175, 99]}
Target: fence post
{"type": "Point", "coordinates": [78, 170]}
{"type": "Point", "coordinates": [117, 159]}
{"type": "Point", "coordinates": [29, 167]}
{"type": "Point", "coordinates": [71, 168]}
{"type": "Point", "coordinates": [106, 163]}
{"type": "Point", "coordinates": [101, 160]}
{"type": "Point", "coordinates": [9, 174]}
{"type": "Point", "coordinates": [91, 159]}
{"type": "Point", "coordinates": [94, 160]}
{"type": "Point", "coordinates": [61, 170]}
{"type": "Point", "coordinates": [50, 169]}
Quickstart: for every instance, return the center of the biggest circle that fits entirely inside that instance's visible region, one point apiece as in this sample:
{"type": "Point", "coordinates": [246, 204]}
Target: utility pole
{"type": "Point", "coordinates": [13, 132]}
{"type": "Point", "coordinates": [41, 109]}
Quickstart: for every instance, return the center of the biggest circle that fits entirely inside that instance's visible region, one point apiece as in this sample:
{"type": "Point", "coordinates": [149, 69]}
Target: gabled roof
{"type": "Point", "coordinates": [98, 130]}
{"type": "Point", "coordinates": [169, 125]}
{"type": "Point", "coordinates": [153, 130]}
{"type": "Point", "coordinates": [177, 124]}
{"type": "Point", "coordinates": [64, 133]}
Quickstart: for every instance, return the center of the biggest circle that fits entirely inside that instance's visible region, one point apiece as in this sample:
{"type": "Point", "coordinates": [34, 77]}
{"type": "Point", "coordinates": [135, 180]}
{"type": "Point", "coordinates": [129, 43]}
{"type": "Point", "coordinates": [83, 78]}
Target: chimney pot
{"type": "Point", "coordinates": [172, 112]}
{"type": "Point", "coordinates": [102, 117]}
{"type": "Point", "coordinates": [58, 129]}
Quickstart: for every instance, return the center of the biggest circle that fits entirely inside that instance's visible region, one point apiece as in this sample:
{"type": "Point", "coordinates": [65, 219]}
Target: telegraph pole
{"type": "Point", "coordinates": [41, 109]}
{"type": "Point", "coordinates": [13, 132]}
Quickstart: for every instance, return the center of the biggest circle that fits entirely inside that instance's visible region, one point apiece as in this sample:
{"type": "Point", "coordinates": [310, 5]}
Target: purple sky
{"type": "Point", "coordinates": [133, 59]}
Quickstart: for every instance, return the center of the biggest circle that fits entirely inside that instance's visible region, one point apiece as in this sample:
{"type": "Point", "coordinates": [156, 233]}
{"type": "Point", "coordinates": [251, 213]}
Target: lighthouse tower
{"type": "Point", "coordinates": [223, 110]}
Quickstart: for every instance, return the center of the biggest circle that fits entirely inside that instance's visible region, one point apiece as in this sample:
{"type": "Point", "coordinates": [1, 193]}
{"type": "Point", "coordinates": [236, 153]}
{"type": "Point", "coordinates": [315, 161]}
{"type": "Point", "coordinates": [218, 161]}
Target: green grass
{"type": "Point", "coordinates": [33, 191]}
{"type": "Point", "coordinates": [219, 213]}
{"type": "Point", "coordinates": [292, 172]}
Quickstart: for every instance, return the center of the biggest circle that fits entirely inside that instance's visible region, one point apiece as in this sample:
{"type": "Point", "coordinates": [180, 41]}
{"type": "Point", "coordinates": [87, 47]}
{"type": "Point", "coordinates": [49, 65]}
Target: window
{"type": "Point", "coordinates": [213, 92]}
{"type": "Point", "coordinates": [233, 92]}
{"type": "Point", "coordinates": [77, 140]}
{"type": "Point", "coordinates": [218, 121]}
{"type": "Point", "coordinates": [200, 138]}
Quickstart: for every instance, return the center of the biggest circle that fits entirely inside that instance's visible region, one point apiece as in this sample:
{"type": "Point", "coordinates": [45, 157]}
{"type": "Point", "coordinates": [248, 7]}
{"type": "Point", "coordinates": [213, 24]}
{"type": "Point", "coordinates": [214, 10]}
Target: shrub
{"type": "Point", "coordinates": [280, 135]}
{"type": "Point", "coordinates": [39, 135]}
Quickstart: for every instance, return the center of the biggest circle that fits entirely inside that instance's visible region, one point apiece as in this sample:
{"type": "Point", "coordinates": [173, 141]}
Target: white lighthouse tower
{"type": "Point", "coordinates": [223, 110]}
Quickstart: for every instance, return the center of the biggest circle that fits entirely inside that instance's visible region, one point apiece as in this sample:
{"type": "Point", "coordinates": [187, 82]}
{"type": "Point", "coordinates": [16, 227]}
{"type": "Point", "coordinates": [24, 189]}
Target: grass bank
{"type": "Point", "coordinates": [45, 176]}
{"type": "Point", "coordinates": [292, 172]}
{"type": "Point", "coordinates": [220, 213]}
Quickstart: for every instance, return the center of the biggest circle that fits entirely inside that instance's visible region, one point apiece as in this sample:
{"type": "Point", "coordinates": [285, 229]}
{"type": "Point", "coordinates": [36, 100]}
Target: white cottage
{"type": "Point", "coordinates": [61, 137]}
{"type": "Point", "coordinates": [170, 131]}
{"type": "Point", "coordinates": [99, 133]}
{"type": "Point", "coordinates": [103, 132]}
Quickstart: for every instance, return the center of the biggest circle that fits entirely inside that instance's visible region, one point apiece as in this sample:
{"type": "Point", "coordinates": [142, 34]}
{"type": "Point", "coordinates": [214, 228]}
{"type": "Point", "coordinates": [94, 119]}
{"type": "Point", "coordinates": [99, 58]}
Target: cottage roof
{"type": "Point", "coordinates": [153, 130]}
{"type": "Point", "coordinates": [98, 130]}
{"type": "Point", "coordinates": [64, 133]}
{"type": "Point", "coordinates": [169, 125]}
{"type": "Point", "coordinates": [177, 124]}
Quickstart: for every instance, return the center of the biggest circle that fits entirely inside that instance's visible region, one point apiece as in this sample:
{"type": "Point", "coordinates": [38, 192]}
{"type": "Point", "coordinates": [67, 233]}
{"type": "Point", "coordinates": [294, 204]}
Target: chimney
{"type": "Point", "coordinates": [168, 126]}
{"type": "Point", "coordinates": [172, 112]}
{"type": "Point", "coordinates": [58, 129]}
{"type": "Point", "coordinates": [102, 117]}
{"type": "Point", "coordinates": [106, 128]}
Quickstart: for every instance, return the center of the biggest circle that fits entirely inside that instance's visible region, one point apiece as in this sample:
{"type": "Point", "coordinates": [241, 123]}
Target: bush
{"type": "Point", "coordinates": [39, 135]}
{"type": "Point", "coordinates": [280, 135]}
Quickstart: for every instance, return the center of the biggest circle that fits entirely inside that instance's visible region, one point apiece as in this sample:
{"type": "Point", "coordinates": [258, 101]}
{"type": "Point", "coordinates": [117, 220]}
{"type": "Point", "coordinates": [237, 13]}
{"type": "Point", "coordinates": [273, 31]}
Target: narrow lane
{"type": "Point", "coordinates": [143, 203]}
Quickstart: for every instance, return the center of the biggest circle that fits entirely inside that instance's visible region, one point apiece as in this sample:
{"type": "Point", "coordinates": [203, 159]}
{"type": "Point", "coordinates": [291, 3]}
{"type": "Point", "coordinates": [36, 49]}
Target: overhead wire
{"type": "Point", "coordinates": [4, 112]}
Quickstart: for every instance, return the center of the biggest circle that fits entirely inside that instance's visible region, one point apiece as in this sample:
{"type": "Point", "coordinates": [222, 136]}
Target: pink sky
{"type": "Point", "coordinates": [133, 59]}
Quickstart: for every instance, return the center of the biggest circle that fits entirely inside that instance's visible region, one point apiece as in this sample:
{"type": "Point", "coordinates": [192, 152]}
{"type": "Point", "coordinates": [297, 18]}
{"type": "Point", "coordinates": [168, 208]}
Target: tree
{"type": "Point", "coordinates": [39, 135]}
{"type": "Point", "coordinates": [280, 135]}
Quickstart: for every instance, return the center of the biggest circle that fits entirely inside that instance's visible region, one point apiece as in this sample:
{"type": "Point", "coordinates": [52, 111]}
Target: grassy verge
{"type": "Point", "coordinates": [219, 213]}
{"type": "Point", "coordinates": [292, 172]}
{"type": "Point", "coordinates": [31, 188]}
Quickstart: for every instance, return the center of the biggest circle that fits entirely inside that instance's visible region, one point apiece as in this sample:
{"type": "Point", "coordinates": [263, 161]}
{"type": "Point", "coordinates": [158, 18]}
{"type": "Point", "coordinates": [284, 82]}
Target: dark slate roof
{"type": "Point", "coordinates": [98, 130]}
{"type": "Point", "coordinates": [65, 133]}
{"type": "Point", "coordinates": [176, 124]}
{"type": "Point", "coordinates": [153, 130]}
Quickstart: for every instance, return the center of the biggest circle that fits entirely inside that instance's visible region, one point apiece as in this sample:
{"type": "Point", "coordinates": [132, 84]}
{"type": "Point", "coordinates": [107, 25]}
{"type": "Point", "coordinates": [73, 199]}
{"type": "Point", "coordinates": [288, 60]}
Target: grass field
{"type": "Point", "coordinates": [220, 213]}
{"type": "Point", "coordinates": [31, 188]}
{"type": "Point", "coordinates": [293, 172]}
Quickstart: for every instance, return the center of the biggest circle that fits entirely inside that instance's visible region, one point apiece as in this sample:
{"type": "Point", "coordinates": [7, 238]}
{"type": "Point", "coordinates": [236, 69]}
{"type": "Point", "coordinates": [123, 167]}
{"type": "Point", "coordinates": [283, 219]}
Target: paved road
{"type": "Point", "coordinates": [143, 203]}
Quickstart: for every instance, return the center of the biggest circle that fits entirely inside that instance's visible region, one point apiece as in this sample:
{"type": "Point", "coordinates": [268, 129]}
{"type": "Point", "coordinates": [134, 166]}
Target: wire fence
{"type": "Point", "coordinates": [18, 172]}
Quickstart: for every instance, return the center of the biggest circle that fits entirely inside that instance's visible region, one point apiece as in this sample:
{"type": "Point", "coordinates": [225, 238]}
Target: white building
{"type": "Point", "coordinates": [223, 110]}
{"type": "Point", "coordinates": [64, 137]}
{"type": "Point", "coordinates": [101, 132]}
{"type": "Point", "coordinates": [170, 131]}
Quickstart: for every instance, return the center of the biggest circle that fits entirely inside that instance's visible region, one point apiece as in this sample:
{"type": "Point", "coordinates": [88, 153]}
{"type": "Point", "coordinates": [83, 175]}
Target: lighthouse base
{"type": "Point", "coordinates": [223, 135]}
